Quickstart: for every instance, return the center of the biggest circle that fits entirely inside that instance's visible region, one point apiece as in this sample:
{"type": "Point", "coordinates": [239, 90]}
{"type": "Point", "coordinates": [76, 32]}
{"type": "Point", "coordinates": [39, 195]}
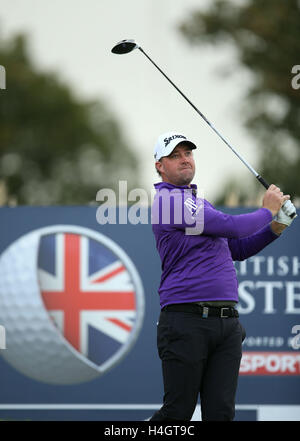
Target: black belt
{"type": "Point", "coordinates": [205, 311]}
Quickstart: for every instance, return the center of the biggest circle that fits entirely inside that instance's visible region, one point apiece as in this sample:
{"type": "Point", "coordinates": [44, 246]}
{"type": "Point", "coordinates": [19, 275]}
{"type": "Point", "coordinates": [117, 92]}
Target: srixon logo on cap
{"type": "Point", "coordinates": [168, 140]}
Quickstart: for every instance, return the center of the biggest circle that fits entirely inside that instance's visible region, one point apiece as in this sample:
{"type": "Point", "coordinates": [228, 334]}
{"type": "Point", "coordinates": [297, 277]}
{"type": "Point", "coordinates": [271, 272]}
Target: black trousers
{"type": "Point", "coordinates": [199, 356]}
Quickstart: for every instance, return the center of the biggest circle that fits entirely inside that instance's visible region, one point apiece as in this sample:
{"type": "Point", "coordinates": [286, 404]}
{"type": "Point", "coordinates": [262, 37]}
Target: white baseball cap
{"type": "Point", "coordinates": [167, 142]}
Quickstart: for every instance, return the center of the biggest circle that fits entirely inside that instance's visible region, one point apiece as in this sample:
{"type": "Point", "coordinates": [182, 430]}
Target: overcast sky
{"type": "Point", "coordinates": [74, 38]}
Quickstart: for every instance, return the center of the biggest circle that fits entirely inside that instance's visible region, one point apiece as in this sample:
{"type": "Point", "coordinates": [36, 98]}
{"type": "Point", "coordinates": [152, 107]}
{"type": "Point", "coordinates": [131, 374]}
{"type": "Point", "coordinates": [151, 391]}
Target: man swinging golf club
{"type": "Point", "coordinates": [199, 336]}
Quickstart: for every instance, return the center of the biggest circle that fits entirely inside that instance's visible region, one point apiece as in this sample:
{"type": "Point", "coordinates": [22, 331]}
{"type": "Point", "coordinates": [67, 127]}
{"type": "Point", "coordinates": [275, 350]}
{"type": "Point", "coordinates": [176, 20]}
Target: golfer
{"type": "Point", "coordinates": [199, 336]}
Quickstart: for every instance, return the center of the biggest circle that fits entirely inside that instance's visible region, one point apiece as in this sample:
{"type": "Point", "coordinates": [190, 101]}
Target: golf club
{"type": "Point", "coordinates": [126, 46]}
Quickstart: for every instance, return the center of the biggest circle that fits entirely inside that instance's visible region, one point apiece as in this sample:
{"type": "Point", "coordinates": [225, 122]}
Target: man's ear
{"type": "Point", "coordinates": [159, 166]}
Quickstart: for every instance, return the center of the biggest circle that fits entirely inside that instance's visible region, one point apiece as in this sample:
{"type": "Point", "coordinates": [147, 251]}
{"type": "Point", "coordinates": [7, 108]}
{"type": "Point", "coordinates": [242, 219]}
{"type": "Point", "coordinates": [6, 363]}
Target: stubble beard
{"type": "Point", "coordinates": [186, 179]}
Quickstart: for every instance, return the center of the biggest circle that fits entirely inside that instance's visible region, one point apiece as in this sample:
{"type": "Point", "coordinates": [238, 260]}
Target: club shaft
{"type": "Point", "coordinates": [261, 180]}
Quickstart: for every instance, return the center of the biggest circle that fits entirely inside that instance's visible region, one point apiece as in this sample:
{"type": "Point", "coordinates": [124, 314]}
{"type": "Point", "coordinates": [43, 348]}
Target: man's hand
{"type": "Point", "coordinates": [274, 199]}
{"type": "Point", "coordinates": [289, 209]}
{"type": "Point", "coordinates": [283, 215]}
{"type": "Point", "coordinates": [283, 218]}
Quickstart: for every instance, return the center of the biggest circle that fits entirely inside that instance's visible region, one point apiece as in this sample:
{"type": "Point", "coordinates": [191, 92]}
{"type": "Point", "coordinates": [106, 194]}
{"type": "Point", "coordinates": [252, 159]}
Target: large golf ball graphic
{"type": "Point", "coordinates": [71, 302]}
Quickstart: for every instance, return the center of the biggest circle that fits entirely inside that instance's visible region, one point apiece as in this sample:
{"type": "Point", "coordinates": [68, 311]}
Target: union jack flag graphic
{"type": "Point", "coordinates": [88, 292]}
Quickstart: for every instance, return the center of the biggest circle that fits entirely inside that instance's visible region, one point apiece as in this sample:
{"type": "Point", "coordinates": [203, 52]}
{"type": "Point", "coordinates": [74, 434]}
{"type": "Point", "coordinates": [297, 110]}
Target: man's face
{"type": "Point", "coordinates": [179, 167]}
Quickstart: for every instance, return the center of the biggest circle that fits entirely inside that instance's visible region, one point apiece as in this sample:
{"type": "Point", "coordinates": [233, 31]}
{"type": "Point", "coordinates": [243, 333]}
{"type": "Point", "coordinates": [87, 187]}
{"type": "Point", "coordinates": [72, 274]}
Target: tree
{"type": "Point", "coordinates": [54, 148]}
{"type": "Point", "coordinates": [266, 36]}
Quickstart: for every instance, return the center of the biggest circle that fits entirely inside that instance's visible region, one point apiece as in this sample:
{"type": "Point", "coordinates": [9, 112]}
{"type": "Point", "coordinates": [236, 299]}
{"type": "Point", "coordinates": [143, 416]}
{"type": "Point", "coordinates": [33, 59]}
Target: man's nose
{"type": "Point", "coordinates": [184, 158]}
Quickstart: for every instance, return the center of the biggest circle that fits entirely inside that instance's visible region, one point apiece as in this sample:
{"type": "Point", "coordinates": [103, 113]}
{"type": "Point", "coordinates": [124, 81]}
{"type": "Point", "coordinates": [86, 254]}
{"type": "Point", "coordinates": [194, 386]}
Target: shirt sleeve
{"type": "Point", "coordinates": [179, 211]}
{"type": "Point", "coordinates": [242, 249]}
{"type": "Point", "coordinates": [217, 223]}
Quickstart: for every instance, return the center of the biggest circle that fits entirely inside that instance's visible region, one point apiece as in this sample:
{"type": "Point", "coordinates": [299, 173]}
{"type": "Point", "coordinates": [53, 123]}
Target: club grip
{"type": "Point", "coordinates": [262, 181]}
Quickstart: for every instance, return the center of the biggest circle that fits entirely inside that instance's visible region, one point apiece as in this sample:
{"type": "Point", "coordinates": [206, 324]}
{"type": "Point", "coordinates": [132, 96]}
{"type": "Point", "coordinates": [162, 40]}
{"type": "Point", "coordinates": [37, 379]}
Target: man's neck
{"type": "Point", "coordinates": [177, 185]}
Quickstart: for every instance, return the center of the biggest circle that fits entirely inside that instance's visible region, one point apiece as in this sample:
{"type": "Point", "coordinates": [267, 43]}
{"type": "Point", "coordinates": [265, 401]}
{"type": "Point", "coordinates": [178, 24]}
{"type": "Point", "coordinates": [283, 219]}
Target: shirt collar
{"type": "Point", "coordinates": [160, 185]}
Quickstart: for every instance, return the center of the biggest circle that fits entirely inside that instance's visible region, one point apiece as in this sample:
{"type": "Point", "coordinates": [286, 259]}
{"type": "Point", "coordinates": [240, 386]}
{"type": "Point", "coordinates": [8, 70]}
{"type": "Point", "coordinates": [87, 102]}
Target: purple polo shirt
{"type": "Point", "coordinates": [197, 245]}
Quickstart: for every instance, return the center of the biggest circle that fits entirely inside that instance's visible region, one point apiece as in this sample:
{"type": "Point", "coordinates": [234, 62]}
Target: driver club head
{"type": "Point", "coordinates": [124, 47]}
